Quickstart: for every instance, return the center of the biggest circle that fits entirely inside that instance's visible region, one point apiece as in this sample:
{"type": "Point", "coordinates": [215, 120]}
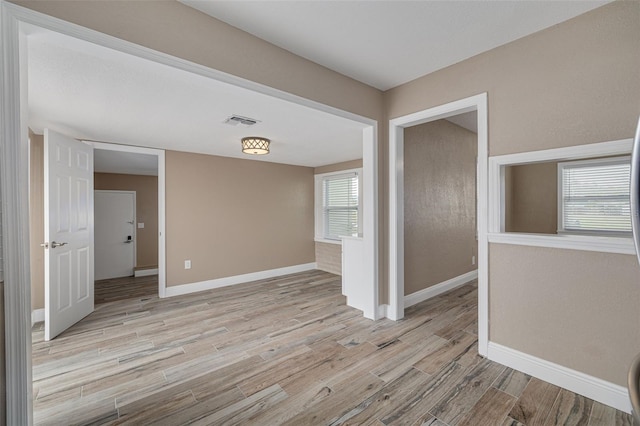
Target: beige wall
{"type": "Point", "coordinates": [36, 219]}
{"type": "Point", "coordinates": [346, 165]}
{"type": "Point", "coordinates": [439, 203]}
{"type": "Point", "coordinates": [578, 309]}
{"type": "Point", "coordinates": [567, 85]}
{"type": "Point", "coordinates": [232, 216]}
{"type": "Point", "coordinates": [329, 256]}
{"type": "Point", "coordinates": [571, 84]}
{"type": "Point", "coordinates": [146, 188]}
{"type": "Point", "coordinates": [216, 216]}
{"type": "Point", "coordinates": [531, 198]}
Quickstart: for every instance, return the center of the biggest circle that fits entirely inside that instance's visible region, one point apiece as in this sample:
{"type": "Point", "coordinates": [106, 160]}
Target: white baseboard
{"type": "Point", "coordinates": [236, 279]}
{"type": "Point", "coordinates": [429, 292]}
{"type": "Point", "coordinates": [145, 272]}
{"type": "Point", "coordinates": [37, 315]}
{"type": "Point", "coordinates": [592, 387]}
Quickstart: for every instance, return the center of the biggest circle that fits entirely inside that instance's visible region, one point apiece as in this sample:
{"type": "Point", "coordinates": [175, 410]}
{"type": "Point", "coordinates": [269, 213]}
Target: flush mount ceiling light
{"type": "Point", "coordinates": [255, 145]}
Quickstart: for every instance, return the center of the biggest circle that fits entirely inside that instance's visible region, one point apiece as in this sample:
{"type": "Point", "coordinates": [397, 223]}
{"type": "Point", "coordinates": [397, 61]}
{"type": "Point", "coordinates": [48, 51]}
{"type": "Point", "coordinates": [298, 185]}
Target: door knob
{"type": "Point", "coordinates": [53, 245]}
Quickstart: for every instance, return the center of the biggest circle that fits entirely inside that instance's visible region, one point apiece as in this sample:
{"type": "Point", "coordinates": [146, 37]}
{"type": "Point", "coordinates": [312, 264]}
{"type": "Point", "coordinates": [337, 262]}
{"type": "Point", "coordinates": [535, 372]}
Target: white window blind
{"type": "Point", "coordinates": [594, 196]}
{"type": "Point", "coordinates": [341, 205]}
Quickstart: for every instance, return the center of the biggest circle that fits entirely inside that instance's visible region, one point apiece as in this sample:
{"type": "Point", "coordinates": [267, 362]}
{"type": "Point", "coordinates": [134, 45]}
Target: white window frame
{"type": "Point", "coordinates": [320, 223]}
{"type": "Point", "coordinates": [496, 226]}
{"type": "Point", "coordinates": [562, 166]}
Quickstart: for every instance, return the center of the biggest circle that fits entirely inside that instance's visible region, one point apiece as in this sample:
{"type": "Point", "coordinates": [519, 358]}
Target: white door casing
{"type": "Point", "coordinates": [68, 181]}
{"type": "Point", "coordinates": [476, 103]}
{"type": "Point", "coordinates": [115, 239]}
{"type": "Point", "coordinates": [160, 155]}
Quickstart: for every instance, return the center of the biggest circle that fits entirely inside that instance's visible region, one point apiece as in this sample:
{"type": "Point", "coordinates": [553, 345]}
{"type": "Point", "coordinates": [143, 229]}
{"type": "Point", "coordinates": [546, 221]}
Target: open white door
{"type": "Point", "coordinates": [68, 227]}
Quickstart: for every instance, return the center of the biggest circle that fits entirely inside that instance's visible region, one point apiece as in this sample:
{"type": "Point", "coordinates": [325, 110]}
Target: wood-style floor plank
{"type": "Point", "coordinates": [285, 350]}
{"type": "Point", "coordinates": [491, 409]}
{"type": "Point", "coordinates": [602, 415]}
{"type": "Point", "coordinates": [570, 409]}
{"type": "Point", "coordinates": [511, 422]}
{"type": "Point", "coordinates": [385, 401]}
{"type": "Point", "coordinates": [512, 382]}
{"type": "Point", "coordinates": [535, 404]}
{"type": "Point", "coordinates": [456, 403]}
{"type": "Point", "coordinates": [415, 409]}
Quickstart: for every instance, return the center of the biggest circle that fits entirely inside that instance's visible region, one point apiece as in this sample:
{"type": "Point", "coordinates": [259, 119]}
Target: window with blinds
{"type": "Point", "coordinates": [341, 204]}
{"type": "Point", "coordinates": [594, 196]}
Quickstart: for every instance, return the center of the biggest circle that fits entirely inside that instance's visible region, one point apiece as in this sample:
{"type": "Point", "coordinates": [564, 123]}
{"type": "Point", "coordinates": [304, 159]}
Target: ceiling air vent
{"type": "Point", "coordinates": [234, 120]}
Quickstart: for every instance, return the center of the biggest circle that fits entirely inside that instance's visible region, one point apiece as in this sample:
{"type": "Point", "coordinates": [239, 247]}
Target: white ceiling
{"type": "Point", "coordinates": [468, 120]}
{"type": "Point", "coordinates": [130, 163]}
{"type": "Point", "coordinates": [387, 43]}
{"type": "Point", "coordinates": [94, 93]}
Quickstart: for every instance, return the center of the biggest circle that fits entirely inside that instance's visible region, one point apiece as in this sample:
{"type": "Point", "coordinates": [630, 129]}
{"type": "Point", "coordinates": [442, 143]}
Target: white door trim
{"type": "Point", "coordinates": [135, 221]}
{"type": "Point", "coordinates": [162, 249]}
{"type": "Point", "coordinates": [477, 103]}
{"type": "Point", "coordinates": [14, 179]}
{"type": "Point", "coordinates": [14, 190]}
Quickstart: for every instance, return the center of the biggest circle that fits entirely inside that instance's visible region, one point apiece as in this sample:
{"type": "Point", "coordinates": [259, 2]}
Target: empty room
{"type": "Point", "coordinates": [371, 212]}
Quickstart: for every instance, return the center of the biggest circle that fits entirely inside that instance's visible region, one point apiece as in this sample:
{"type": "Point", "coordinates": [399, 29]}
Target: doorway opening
{"type": "Point", "coordinates": [14, 181]}
{"type": "Point", "coordinates": [397, 299]}
{"type": "Point", "coordinates": [440, 246]}
{"type": "Point", "coordinates": [116, 167]}
{"type": "Point", "coordinates": [127, 236]}
{"type": "Point", "coordinates": [141, 170]}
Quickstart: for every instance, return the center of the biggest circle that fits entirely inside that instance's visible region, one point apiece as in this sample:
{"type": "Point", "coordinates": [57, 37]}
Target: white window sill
{"type": "Point", "coordinates": [619, 245]}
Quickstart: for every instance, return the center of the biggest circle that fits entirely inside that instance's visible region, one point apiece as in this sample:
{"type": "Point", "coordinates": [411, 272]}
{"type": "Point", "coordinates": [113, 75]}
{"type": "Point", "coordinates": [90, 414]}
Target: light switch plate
{"type": "Point", "coordinates": [140, 225]}
{"type": "Point", "coordinates": [187, 264]}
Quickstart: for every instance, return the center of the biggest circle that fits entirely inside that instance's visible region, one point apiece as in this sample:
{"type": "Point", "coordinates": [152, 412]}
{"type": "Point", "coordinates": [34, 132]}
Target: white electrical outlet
{"type": "Point", "coordinates": [473, 260]}
{"type": "Point", "coordinates": [140, 225]}
{"type": "Point", "coordinates": [187, 264]}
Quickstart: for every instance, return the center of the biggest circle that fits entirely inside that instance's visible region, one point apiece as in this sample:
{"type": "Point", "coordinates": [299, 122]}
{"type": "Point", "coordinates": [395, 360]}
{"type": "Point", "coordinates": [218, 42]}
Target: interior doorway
{"type": "Point", "coordinates": [397, 301]}
{"type": "Point", "coordinates": [440, 245]}
{"type": "Point", "coordinates": [119, 168]}
{"type": "Point", "coordinates": [126, 169]}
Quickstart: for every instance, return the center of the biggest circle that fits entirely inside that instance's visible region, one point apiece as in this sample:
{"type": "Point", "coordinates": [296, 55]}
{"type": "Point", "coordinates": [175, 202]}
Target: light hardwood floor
{"type": "Point", "coordinates": [285, 351]}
